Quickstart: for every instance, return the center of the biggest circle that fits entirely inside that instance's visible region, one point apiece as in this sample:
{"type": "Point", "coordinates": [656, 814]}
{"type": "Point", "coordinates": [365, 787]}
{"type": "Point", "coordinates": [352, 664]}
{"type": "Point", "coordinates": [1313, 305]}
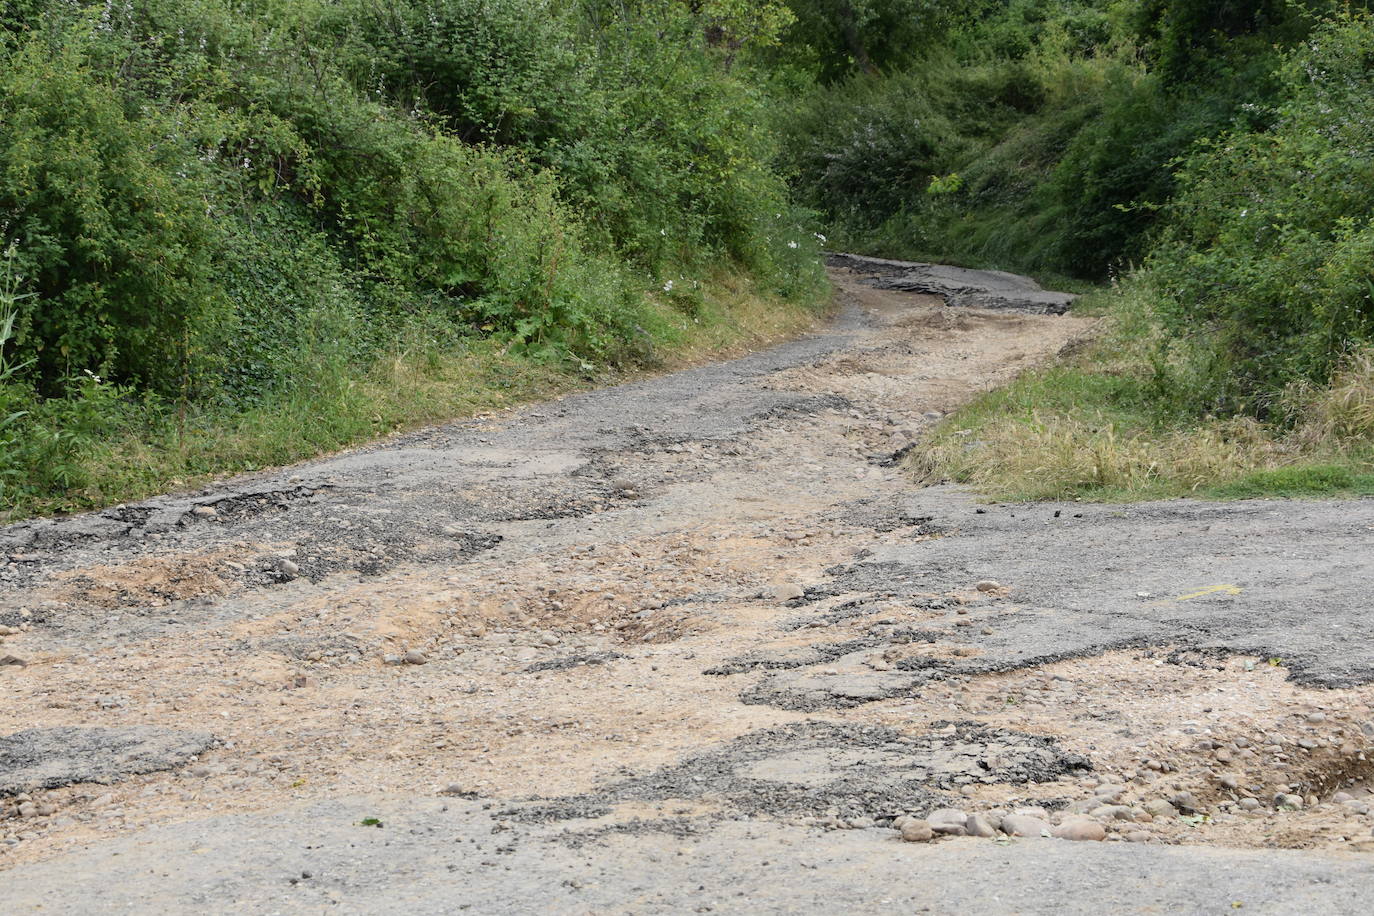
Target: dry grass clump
{"type": "Point", "coordinates": [1066, 433]}
{"type": "Point", "coordinates": [1059, 456]}
{"type": "Point", "coordinates": [1342, 413]}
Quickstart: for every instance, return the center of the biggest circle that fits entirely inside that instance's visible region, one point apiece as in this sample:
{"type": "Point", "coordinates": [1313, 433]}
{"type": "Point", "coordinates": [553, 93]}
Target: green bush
{"type": "Point", "coordinates": [218, 206]}
{"type": "Point", "coordinates": [117, 245]}
{"type": "Point", "coordinates": [1267, 265]}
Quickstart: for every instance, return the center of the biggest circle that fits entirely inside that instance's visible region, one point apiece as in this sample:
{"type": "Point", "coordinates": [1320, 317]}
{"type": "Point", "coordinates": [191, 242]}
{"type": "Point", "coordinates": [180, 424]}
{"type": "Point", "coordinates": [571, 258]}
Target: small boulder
{"type": "Point", "coordinates": [978, 825]}
{"type": "Point", "coordinates": [947, 820]}
{"type": "Point", "coordinates": [1186, 802]}
{"type": "Point", "coordinates": [1081, 828]}
{"type": "Point", "coordinates": [916, 830]}
{"type": "Point", "coordinates": [1025, 825]}
{"type": "Point", "coordinates": [1158, 807]}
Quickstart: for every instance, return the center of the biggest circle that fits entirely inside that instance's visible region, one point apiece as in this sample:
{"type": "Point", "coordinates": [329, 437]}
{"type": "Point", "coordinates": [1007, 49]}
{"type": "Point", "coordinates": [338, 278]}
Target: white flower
{"type": "Point", "coordinates": [820, 238]}
{"type": "Point", "coordinates": [668, 287]}
{"type": "Point", "coordinates": [791, 244]}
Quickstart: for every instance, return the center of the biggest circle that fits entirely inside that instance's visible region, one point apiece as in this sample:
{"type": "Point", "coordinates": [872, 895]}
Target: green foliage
{"type": "Point", "coordinates": [837, 38]}
{"type": "Point", "coordinates": [221, 205]}
{"type": "Point", "coordinates": [1195, 40]}
{"type": "Point", "coordinates": [1266, 266]}
{"type": "Point", "coordinates": [116, 243]}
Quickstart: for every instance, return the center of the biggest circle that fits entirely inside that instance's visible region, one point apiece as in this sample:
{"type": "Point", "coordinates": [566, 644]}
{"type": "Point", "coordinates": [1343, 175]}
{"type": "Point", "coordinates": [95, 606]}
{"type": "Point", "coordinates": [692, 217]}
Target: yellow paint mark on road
{"type": "Point", "coordinates": [1211, 590]}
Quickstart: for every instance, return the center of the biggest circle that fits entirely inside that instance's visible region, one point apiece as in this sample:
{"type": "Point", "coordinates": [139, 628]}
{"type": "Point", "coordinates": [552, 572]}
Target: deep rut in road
{"type": "Point", "coordinates": [709, 596]}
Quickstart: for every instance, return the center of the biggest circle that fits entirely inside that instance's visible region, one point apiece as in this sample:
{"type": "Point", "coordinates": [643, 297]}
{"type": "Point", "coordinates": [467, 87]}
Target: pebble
{"type": "Point", "coordinates": [1081, 828]}
{"type": "Point", "coordinates": [1025, 825]}
{"type": "Point", "coordinates": [916, 830]}
{"type": "Point", "coordinates": [548, 639]}
{"type": "Point", "coordinates": [1109, 792]}
{"type": "Point", "coordinates": [415, 657]}
{"type": "Point", "coordinates": [288, 569]}
{"type": "Point", "coordinates": [1316, 718]}
{"type": "Point", "coordinates": [789, 592]}
{"type": "Point", "coordinates": [393, 660]}
{"type": "Point", "coordinates": [1249, 804]}
{"type": "Point", "coordinates": [987, 585]}
{"type": "Point", "coordinates": [14, 661]}
{"type": "Point", "coordinates": [1138, 836]}
{"type": "Point", "coordinates": [204, 511]}
{"type": "Point", "coordinates": [1287, 800]}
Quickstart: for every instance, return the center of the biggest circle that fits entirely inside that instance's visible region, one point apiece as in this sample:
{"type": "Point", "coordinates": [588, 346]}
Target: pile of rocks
{"type": "Point", "coordinates": [1023, 822]}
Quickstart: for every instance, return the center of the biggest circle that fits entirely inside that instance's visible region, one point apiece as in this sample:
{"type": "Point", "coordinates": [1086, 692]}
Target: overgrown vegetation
{"type": "Point", "coordinates": [228, 221]}
{"type": "Point", "coordinates": [230, 224]}
{"type": "Point", "coordinates": [1212, 160]}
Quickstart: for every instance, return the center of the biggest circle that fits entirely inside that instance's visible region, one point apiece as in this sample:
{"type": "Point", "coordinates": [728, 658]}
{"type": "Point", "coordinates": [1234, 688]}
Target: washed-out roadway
{"type": "Point", "coordinates": [694, 643]}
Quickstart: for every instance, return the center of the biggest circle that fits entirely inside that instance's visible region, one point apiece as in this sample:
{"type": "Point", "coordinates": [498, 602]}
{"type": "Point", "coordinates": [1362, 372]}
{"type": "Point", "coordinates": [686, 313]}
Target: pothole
{"type": "Point", "coordinates": [823, 769]}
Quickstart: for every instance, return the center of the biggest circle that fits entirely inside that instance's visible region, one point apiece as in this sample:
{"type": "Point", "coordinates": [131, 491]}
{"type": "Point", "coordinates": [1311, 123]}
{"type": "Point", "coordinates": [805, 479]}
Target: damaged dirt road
{"type": "Point", "coordinates": [694, 644]}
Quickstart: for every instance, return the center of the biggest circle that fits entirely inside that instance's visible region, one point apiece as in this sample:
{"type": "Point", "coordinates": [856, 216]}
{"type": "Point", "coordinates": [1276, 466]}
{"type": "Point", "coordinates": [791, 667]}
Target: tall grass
{"type": "Point", "coordinates": [1112, 422]}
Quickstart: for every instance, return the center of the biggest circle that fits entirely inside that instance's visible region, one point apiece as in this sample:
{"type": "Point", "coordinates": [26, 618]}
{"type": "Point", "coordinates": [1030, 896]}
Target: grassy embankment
{"type": "Point", "coordinates": [1202, 168]}
{"type": "Point", "coordinates": [238, 233]}
{"type": "Point", "coordinates": [130, 450]}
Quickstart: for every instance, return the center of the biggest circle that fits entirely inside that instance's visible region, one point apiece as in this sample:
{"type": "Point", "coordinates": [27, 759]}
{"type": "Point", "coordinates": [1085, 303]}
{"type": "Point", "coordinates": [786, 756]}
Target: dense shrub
{"type": "Point", "coordinates": [503, 163]}
{"type": "Point", "coordinates": [217, 205]}
{"type": "Point", "coordinates": [116, 244]}
{"type": "Point", "coordinates": [1268, 263]}
{"type": "Point", "coordinates": [1064, 120]}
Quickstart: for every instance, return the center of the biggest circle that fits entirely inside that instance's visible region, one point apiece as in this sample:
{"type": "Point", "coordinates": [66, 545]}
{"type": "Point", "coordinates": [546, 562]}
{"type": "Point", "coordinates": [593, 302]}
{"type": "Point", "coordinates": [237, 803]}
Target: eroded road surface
{"type": "Point", "coordinates": [694, 644]}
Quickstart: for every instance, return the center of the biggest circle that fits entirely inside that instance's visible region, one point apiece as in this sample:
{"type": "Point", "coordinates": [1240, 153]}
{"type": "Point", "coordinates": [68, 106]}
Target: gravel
{"type": "Point", "coordinates": [44, 758]}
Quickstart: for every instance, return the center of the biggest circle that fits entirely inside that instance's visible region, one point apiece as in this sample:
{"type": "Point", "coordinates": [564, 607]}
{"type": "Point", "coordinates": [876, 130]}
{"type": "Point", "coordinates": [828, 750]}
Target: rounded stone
{"type": "Point", "coordinates": [947, 820]}
{"type": "Point", "coordinates": [1025, 825]}
{"type": "Point", "coordinates": [1158, 807]}
{"type": "Point", "coordinates": [916, 830]}
{"type": "Point", "coordinates": [980, 826]}
{"type": "Point", "coordinates": [1081, 829]}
